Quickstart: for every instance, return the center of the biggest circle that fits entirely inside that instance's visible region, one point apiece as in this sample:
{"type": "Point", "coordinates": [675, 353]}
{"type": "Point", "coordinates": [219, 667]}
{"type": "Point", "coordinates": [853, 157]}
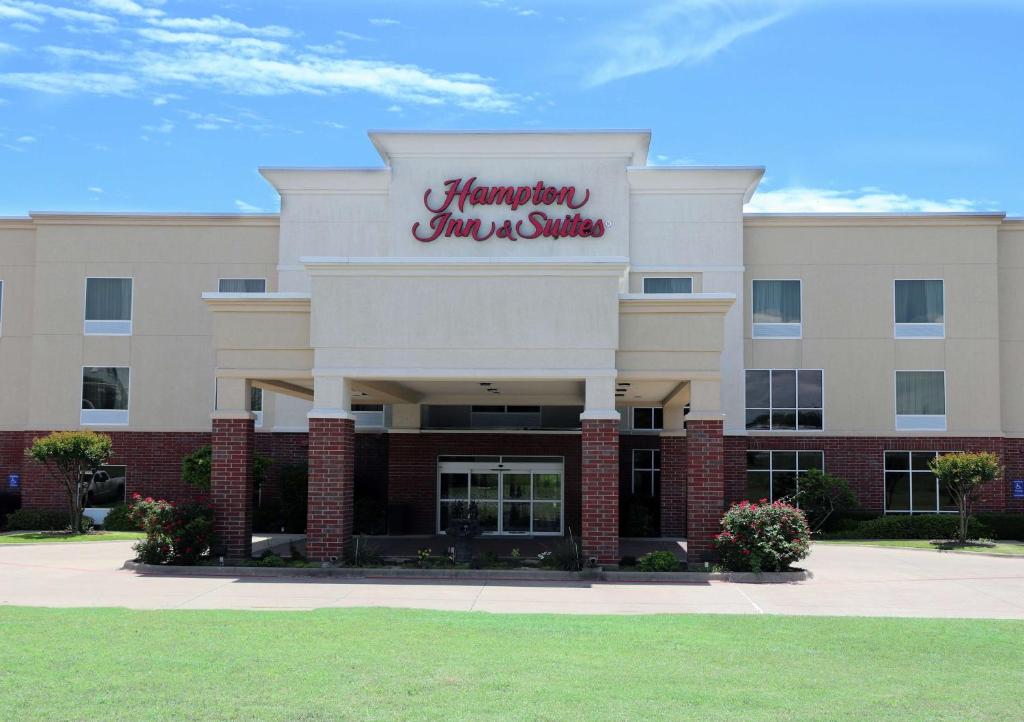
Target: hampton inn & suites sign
{"type": "Point", "coordinates": [553, 212]}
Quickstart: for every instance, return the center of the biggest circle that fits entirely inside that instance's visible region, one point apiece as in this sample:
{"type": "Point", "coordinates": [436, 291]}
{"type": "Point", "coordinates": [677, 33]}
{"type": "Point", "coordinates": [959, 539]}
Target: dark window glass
{"type": "Point", "coordinates": [105, 388]}
{"type": "Point", "coordinates": [811, 460]}
{"type": "Point", "coordinates": [783, 420]}
{"type": "Point", "coordinates": [810, 389]}
{"type": "Point", "coordinates": [897, 491]}
{"type": "Point", "coordinates": [757, 460]}
{"type": "Point", "coordinates": [668, 285]}
{"type": "Point", "coordinates": [758, 389]}
{"type": "Point", "coordinates": [242, 285]}
{"type": "Point", "coordinates": [809, 420]}
{"type": "Point", "coordinates": [759, 485]}
{"type": "Point", "coordinates": [784, 389]}
{"type": "Point", "coordinates": [925, 492]}
{"type": "Point", "coordinates": [758, 419]}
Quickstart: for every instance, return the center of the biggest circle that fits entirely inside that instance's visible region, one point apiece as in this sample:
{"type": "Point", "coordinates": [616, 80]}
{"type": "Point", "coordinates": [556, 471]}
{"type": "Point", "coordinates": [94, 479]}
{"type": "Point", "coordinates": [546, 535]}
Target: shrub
{"type": "Point", "coordinates": [269, 559]}
{"type": "Point", "coordinates": [43, 520]}
{"type": "Point", "coordinates": [175, 534]}
{"type": "Point", "coordinates": [821, 495]}
{"type": "Point", "coordinates": [906, 526]}
{"type": "Point", "coordinates": [1003, 526]}
{"type": "Point", "coordinates": [71, 458]}
{"type": "Point", "coordinates": [763, 537]}
{"type": "Point", "coordinates": [119, 519]}
{"type": "Point", "coordinates": [565, 554]}
{"type": "Point", "coordinates": [661, 561]}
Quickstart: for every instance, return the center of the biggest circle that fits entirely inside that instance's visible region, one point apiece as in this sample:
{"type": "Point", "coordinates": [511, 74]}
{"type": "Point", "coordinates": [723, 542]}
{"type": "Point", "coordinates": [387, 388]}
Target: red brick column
{"type": "Point", "coordinates": [231, 485]}
{"type": "Point", "coordinates": [673, 485]}
{"type": "Point", "coordinates": [600, 482]}
{"type": "Point", "coordinates": [705, 491]}
{"type": "Point", "coordinates": [331, 465]}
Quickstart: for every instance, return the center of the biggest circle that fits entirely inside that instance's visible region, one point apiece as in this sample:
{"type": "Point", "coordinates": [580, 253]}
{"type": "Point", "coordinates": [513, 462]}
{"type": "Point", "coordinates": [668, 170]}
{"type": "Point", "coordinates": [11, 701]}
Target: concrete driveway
{"type": "Point", "coordinates": [848, 580]}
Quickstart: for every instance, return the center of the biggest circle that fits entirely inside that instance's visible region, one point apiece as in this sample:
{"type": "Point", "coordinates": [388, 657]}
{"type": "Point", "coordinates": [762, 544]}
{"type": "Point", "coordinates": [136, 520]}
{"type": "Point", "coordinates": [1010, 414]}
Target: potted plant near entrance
{"type": "Point", "coordinates": [463, 526]}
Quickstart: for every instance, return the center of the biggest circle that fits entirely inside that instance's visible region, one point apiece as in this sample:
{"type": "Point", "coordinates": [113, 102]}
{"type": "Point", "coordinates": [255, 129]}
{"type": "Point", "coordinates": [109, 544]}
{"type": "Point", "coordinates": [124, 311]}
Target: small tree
{"type": "Point", "coordinates": [821, 495]}
{"type": "Point", "coordinates": [962, 476]}
{"type": "Point", "coordinates": [72, 457]}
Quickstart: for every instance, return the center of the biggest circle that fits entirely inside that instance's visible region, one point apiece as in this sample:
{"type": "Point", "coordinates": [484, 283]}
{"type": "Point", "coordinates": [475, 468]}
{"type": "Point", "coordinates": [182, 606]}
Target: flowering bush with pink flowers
{"type": "Point", "coordinates": [763, 537]}
{"type": "Point", "coordinates": [175, 533]}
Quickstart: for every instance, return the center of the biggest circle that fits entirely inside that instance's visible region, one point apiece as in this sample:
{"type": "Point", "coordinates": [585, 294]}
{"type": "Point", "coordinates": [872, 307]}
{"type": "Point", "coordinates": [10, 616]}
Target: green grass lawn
{"type": "Point", "coordinates": [380, 664]}
{"type": "Point", "coordinates": [1001, 547]}
{"type": "Point", "coordinates": [41, 537]}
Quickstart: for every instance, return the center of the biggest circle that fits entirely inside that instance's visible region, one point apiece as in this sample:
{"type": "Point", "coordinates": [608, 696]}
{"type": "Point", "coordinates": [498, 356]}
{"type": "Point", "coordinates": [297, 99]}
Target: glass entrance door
{"type": "Point", "coordinates": [513, 495]}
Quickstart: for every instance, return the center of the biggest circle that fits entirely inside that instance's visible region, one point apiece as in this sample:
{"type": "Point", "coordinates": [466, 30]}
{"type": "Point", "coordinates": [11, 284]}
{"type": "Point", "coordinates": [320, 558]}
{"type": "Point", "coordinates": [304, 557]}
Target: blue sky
{"type": "Point", "coordinates": [170, 105]}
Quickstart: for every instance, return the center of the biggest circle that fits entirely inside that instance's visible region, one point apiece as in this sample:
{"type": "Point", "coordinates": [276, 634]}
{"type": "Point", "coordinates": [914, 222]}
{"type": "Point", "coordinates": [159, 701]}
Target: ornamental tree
{"type": "Point", "coordinates": [821, 495]}
{"type": "Point", "coordinates": [962, 475]}
{"type": "Point", "coordinates": [72, 457]}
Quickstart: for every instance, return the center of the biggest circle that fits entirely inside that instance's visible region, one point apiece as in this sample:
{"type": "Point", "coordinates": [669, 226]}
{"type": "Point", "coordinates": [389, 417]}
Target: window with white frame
{"type": "Point", "coordinates": [910, 485]}
{"type": "Point", "coordinates": [108, 307]}
{"type": "Point", "coordinates": [256, 405]}
{"type": "Point", "coordinates": [776, 307]}
{"type": "Point", "coordinates": [104, 396]}
{"type": "Point", "coordinates": [921, 400]}
{"type": "Point", "coordinates": [919, 307]}
{"type": "Point", "coordinates": [647, 418]}
{"type": "Point", "coordinates": [242, 285]}
{"type": "Point", "coordinates": [774, 475]}
{"type": "Point", "coordinates": [369, 415]}
{"type": "Point", "coordinates": [785, 399]}
{"type": "Point", "coordinates": [646, 472]}
{"type": "Point", "coordinates": [668, 284]}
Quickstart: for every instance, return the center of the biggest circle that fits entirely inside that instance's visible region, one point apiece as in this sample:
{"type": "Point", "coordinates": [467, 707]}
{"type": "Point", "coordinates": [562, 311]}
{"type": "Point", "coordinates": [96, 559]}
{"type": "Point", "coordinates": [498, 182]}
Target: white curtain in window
{"type": "Point", "coordinates": [920, 393]}
{"type": "Point", "coordinates": [776, 302]}
{"type": "Point", "coordinates": [108, 299]}
{"type": "Point", "coordinates": [919, 301]}
{"type": "Point", "coordinates": [668, 285]}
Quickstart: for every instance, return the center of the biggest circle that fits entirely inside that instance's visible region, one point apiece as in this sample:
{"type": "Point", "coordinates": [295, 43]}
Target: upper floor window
{"type": "Point", "coordinates": [104, 396]}
{"type": "Point", "coordinates": [785, 399]}
{"type": "Point", "coordinates": [647, 418]}
{"type": "Point", "coordinates": [911, 485]}
{"type": "Point", "coordinates": [921, 400]}
{"type": "Point", "coordinates": [776, 309]}
{"type": "Point", "coordinates": [108, 306]}
{"type": "Point", "coordinates": [242, 285]}
{"type": "Point", "coordinates": [675, 284]}
{"type": "Point", "coordinates": [919, 307]}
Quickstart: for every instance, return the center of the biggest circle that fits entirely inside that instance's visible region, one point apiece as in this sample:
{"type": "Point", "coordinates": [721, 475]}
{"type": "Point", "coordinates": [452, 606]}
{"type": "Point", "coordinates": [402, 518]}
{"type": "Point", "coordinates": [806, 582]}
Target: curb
{"type": "Point", "coordinates": [521, 575]}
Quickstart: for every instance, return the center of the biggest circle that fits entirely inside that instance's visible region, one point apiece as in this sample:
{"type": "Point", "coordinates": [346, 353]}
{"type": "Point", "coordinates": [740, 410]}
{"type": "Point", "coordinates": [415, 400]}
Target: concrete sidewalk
{"type": "Point", "coordinates": [848, 580]}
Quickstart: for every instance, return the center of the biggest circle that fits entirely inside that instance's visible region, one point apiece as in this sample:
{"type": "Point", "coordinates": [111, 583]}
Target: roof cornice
{"type": "Point", "coordinates": [695, 179]}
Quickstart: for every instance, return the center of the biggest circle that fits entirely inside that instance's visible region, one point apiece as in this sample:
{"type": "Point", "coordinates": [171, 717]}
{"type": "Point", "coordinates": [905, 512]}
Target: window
{"type": "Point", "coordinates": [785, 400]}
{"type": "Point", "coordinates": [108, 307]}
{"type": "Point", "coordinates": [919, 307]}
{"type": "Point", "coordinates": [104, 396]}
{"type": "Point", "coordinates": [775, 475]}
{"type": "Point", "coordinates": [242, 285]}
{"type": "Point", "coordinates": [776, 309]}
{"type": "Point", "coordinates": [106, 487]}
{"type": "Point", "coordinates": [368, 414]}
{"type": "Point", "coordinates": [677, 284]}
{"type": "Point", "coordinates": [646, 472]}
{"type": "Point", "coordinates": [499, 416]}
{"type": "Point", "coordinates": [921, 400]}
{"type": "Point", "coordinates": [648, 418]}
{"type": "Point", "coordinates": [256, 404]}
{"type": "Point", "coordinates": [910, 485]}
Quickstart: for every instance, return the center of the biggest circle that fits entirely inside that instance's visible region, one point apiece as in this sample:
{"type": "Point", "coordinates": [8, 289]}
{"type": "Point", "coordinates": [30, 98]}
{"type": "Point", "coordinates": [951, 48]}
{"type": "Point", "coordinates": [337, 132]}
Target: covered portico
{"type": "Point", "coordinates": [664, 352]}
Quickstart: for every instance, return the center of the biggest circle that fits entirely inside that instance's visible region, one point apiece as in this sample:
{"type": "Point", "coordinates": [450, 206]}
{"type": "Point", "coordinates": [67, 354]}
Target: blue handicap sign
{"type": "Point", "coordinates": [1018, 488]}
{"type": "Point", "coordinates": [13, 481]}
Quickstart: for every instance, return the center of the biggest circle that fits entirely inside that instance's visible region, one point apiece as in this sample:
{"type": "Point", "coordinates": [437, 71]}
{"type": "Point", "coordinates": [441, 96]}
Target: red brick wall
{"type": "Point", "coordinates": [331, 468]}
{"type": "Point", "coordinates": [231, 485]}
{"type": "Point", "coordinates": [599, 481]}
{"type": "Point", "coordinates": [412, 473]}
{"type": "Point", "coordinates": [860, 460]}
{"type": "Point", "coordinates": [673, 486]}
{"type": "Point", "coordinates": [705, 491]}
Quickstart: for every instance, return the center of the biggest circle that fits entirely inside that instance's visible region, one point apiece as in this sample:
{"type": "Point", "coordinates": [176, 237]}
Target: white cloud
{"type": "Point", "coordinates": [380, 22]}
{"type": "Point", "coordinates": [126, 7]}
{"type": "Point", "coordinates": [59, 83]}
{"type": "Point", "coordinates": [219, 24]}
{"type": "Point", "coordinates": [165, 126]}
{"type": "Point", "coordinates": [247, 207]}
{"type": "Point", "coordinates": [332, 124]}
{"type": "Point", "coordinates": [94, 189]}
{"type": "Point", "coordinates": [677, 32]}
{"type": "Point", "coordinates": [25, 27]}
{"type": "Point", "coordinates": [800, 199]}
{"type": "Point", "coordinates": [7, 48]}
{"type": "Point", "coordinates": [394, 108]}
{"type": "Point", "coordinates": [37, 12]}
{"type": "Point", "coordinates": [26, 139]}
{"type": "Point", "coordinates": [526, 13]}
